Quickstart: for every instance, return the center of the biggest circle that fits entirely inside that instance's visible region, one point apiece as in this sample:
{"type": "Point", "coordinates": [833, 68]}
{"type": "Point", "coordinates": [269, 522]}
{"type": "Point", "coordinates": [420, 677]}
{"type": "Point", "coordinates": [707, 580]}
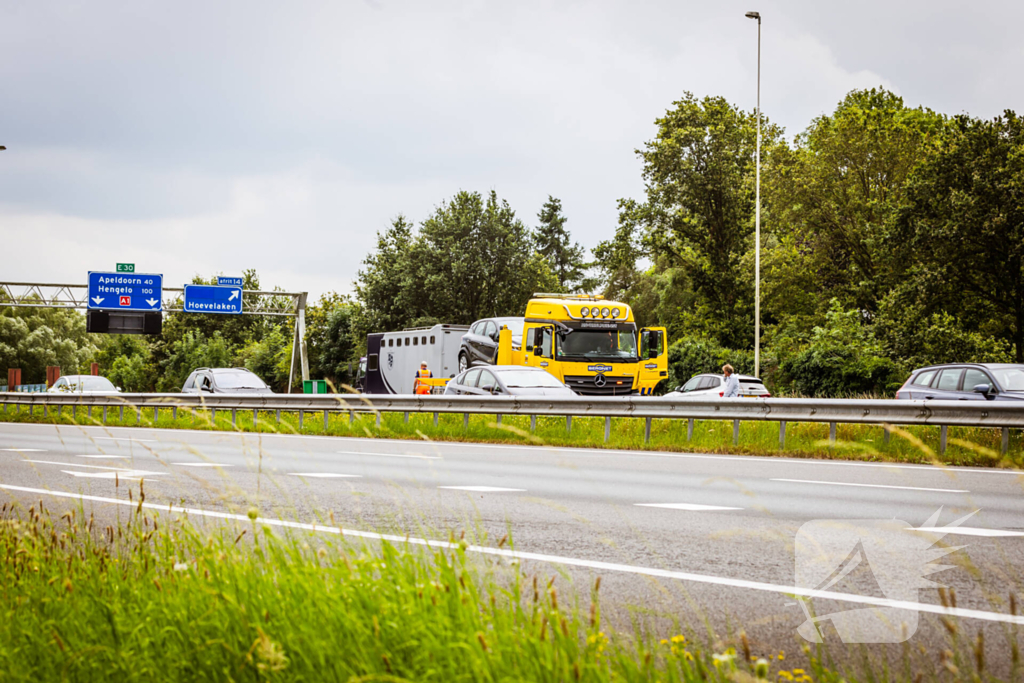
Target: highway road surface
{"type": "Point", "coordinates": [698, 539]}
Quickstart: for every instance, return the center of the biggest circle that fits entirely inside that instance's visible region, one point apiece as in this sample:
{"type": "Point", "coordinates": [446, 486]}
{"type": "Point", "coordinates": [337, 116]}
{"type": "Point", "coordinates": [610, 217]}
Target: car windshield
{"type": "Point", "coordinates": [96, 384]}
{"type": "Point", "coordinates": [611, 344]}
{"type": "Point", "coordinates": [1010, 379]}
{"type": "Point", "coordinates": [239, 379]}
{"type": "Point", "coordinates": [526, 379]}
{"type": "Point", "coordinates": [513, 324]}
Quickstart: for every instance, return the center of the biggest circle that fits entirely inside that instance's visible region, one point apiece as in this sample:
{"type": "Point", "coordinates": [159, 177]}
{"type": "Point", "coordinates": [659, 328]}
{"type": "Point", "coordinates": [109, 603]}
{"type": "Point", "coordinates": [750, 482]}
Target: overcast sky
{"type": "Point", "coordinates": [204, 137]}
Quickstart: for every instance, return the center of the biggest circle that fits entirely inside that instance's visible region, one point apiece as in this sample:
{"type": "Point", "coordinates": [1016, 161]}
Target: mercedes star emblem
{"type": "Point", "coordinates": [600, 381]}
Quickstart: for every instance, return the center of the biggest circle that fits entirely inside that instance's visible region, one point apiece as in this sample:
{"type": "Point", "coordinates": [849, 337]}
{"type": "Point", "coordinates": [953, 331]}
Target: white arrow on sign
{"type": "Point", "coordinates": [97, 300]}
{"type": "Point", "coordinates": [152, 302]}
{"type": "Point", "coordinates": [234, 295]}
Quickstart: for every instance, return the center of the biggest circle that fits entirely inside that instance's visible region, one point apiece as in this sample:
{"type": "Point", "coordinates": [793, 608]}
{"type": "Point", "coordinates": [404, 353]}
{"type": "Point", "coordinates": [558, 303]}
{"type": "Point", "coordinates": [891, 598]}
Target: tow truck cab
{"type": "Point", "coordinates": [593, 345]}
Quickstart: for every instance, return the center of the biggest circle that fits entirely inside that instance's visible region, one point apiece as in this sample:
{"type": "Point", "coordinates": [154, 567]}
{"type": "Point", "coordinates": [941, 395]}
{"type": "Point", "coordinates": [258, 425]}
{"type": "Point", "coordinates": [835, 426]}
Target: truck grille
{"type": "Point", "coordinates": [586, 385]}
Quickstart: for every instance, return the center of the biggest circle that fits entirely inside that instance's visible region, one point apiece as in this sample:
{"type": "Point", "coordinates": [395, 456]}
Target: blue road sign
{"type": "Point", "coordinates": [125, 291]}
{"type": "Point", "coordinates": [229, 281]}
{"type": "Point", "coordinates": [212, 299]}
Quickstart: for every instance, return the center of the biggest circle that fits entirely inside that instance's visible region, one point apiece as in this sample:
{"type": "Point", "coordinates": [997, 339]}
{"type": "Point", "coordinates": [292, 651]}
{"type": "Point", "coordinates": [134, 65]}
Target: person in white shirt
{"type": "Point", "coordinates": [732, 383]}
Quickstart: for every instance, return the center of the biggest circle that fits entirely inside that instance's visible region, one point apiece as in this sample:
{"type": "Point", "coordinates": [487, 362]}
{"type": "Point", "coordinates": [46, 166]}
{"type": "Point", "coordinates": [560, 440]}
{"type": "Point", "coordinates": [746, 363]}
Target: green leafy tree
{"type": "Point", "coordinates": [331, 340]}
{"type": "Point", "coordinates": [553, 242]}
{"type": "Point", "coordinates": [33, 338]}
{"type": "Point", "coordinates": [959, 235]}
{"type": "Point", "coordinates": [385, 286]}
{"type": "Point", "coordinates": [193, 350]}
{"type": "Point", "coordinates": [699, 209]}
{"type": "Point", "coordinates": [831, 197]}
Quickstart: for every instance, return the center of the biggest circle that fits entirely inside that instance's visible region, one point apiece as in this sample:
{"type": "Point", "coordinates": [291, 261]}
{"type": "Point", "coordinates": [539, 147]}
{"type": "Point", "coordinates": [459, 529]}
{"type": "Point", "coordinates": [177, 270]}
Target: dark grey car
{"type": "Point", "coordinates": [965, 382]}
{"type": "Point", "coordinates": [224, 381]}
{"type": "Point", "coordinates": [480, 344]}
{"type": "Point", "coordinates": [507, 380]}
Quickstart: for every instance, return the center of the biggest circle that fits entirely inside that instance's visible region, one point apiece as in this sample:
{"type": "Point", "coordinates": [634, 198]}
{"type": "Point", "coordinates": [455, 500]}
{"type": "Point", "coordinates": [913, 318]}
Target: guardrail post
{"type": "Point", "coordinates": [120, 416]}
{"type": "Point", "coordinates": [533, 423]}
{"type": "Point", "coordinates": [301, 413]}
{"type": "Point", "coordinates": [406, 418]}
{"type": "Point", "coordinates": [735, 432]}
{"type": "Point", "coordinates": [88, 412]}
{"type": "Point", "coordinates": [255, 419]}
{"type": "Point", "coordinates": [155, 409]}
{"type": "Point", "coordinates": [496, 417]}
{"type": "Point", "coordinates": [74, 413]}
{"type": "Point", "coordinates": [213, 416]}
{"type": "Point", "coordinates": [46, 411]}
{"type": "Point", "coordinates": [1006, 440]}
{"type": "Point", "coordinates": [832, 433]}
{"type": "Point", "coordinates": [465, 420]}
{"type": "Point", "coordinates": [104, 415]}
{"type": "Point", "coordinates": [689, 429]}
{"type": "Point", "coordinates": [647, 429]}
{"type": "Point", "coordinates": [943, 429]}
{"type": "Point", "coordinates": [351, 416]}
{"type": "Point", "coordinates": [138, 415]}
{"type": "Point", "coordinates": [886, 433]}
{"type": "Point", "coordinates": [278, 412]}
{"type": "Point", "coordinates": [378, 419]}
{"type": "Point", "coordinates": [782, 434]}
{"type": "Point", "coordinates": [607, 428]}
{"type": "Point", "coordinates": [234, 417]}
{"type": "Point", "coordinates": [435, 419]}
{"type": "Point", "coordinates": [174, 413]}
{"type": "Point", "coordinates": [568, 424]}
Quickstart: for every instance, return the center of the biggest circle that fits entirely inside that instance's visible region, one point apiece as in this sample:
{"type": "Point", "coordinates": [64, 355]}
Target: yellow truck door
{"type": "Point", "coordinates": [653, 358]}
{"type": "Point", "coordinates": [538, 343]}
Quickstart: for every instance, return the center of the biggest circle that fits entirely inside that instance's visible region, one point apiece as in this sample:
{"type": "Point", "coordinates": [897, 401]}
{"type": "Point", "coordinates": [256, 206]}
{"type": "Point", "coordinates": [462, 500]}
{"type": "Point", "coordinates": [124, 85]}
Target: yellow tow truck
{"type": "Point", "coordinates": [590, 343]}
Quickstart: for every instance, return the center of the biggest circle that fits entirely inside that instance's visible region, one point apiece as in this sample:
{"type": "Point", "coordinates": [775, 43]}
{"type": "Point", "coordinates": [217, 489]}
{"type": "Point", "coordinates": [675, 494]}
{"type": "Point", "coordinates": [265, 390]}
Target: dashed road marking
{"type": "Point", "coordinates": [201, 464]}
{"type": "Point", "coordinates": [872, 486]}
{"type": "Point", "coordinates": [323, 475]}
{"type": "Point", "coordinates": [479, 489]}
{"type": "Point", "coordinates": [693, 507]}
{"type": "Point", "coordinates": [969, 531]}
{"type": "Point", "coordinates": [24, 450]}
{"type": "Point", "coordinates": [121, 474]}
{"type": "Point", "coordinates": [392, 455]}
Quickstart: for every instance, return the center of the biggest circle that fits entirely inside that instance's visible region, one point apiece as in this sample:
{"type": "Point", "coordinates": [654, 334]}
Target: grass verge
{"type": "Point", "coordinates": [967, 446]}
{"type": "Point", "coordinates": [155, 599]}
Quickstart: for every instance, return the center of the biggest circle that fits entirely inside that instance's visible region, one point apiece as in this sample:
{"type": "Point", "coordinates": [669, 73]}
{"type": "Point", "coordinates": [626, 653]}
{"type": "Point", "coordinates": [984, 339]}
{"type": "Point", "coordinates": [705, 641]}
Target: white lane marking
{"type": "Point", "coordinates": [554, 559]}
{"type": "Point", "coordinates": [391, 455]}
{"type": "Point", "coordinates": [71, 464]}
{"type": "Point", "coordinates": [126, 474]}
{"type": "Point", "coordinates": [479, 489]}
{"type": "Point", "coordinates": [323, 475]}
{"type": "Point", "coordinates": [123, 438]}
{"type": "Point", "coordinates": [201, 464]}
{"type": "Point", "coordinates": [104, 457]}
{"type": "Point", "coordinates": [693, 507]}
{"type": "Point", "coordinates": [969, 531]}
{"type": "Point", "coordinates": [873, 486]}
{"type": "Point", "coordinates": [24, 450]}
{"type": "Point", "coordinates": [548, 449]}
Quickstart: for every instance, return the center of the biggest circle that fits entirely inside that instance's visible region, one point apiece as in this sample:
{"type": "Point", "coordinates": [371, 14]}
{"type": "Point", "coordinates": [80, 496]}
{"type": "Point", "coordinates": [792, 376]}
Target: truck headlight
{"type": "Point", "coordinates": [605, 312]}
{"type": "Point", "coordinates": [585, 311]}
{"type": "Point", "coordinates": [615, 312]}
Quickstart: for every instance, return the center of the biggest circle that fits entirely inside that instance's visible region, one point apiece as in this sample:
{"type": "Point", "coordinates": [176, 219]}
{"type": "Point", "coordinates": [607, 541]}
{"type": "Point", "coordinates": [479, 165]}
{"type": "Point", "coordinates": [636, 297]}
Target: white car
{"type": "Point", "coordinates": [83, 385]}
{"type": "Point", "coordinates": [709, 385]}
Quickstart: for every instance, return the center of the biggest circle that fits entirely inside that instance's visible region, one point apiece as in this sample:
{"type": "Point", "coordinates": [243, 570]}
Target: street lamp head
{"type": "Point", "coordinates": [754, 15]}
{"type": "Point", "coordinates": [2, 148]}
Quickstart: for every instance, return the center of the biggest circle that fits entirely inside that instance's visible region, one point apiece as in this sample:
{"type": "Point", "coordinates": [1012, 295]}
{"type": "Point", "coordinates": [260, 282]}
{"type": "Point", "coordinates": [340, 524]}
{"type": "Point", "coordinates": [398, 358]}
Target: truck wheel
{"type": "Point", "coordinates": [463, 362]}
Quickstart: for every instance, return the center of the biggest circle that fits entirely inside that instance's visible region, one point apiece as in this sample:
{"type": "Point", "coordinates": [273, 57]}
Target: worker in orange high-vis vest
{"type": "Point", "coordinates": [422, 373]}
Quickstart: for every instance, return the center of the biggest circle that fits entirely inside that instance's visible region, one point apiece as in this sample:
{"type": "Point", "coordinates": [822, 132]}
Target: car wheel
{"type": "Point", "coordinates": [463, 362]}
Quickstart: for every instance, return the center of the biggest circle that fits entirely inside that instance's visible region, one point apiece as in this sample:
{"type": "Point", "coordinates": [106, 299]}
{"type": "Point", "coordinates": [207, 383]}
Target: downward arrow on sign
{"type": "Point", "coordinates": [234, 295]}
{"type": "Point", "coordinates": [97, 300]}
{"type": "Point", "coordinates": [152, 302]}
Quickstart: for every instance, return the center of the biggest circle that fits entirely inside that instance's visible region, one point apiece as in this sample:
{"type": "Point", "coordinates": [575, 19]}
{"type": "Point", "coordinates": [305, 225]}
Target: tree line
{"type": "Point", "coordinates": [891, 239]}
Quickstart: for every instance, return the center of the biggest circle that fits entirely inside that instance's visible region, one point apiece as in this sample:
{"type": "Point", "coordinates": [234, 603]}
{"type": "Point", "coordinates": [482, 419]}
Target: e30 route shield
{"type": "Point", "coordinates": [125, 291]}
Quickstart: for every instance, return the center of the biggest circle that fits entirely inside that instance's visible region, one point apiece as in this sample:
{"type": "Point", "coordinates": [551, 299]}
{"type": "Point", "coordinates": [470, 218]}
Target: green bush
{"type": "Point", "coordinates": [843, 358]}
{"type": "Point", "coordinates": [691, 356]}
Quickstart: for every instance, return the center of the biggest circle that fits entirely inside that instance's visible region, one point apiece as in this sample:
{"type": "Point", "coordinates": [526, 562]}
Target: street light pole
{"type": "Point", "coordinates": [757, 212]}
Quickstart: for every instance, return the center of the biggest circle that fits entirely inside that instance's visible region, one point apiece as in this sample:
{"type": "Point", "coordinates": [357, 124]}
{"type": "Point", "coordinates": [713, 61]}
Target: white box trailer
{"type": "Point", "coordinates": [393, 358]}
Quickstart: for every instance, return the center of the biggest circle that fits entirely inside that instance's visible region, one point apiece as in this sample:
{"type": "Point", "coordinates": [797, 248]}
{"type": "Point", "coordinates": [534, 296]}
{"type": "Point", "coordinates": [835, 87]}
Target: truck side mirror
{"type": "Point", "coordinates": [652, 353]}
{"type": "Point", "coordinates": [538, 338]}
{"type": "Point", "coordinates": [538, 351]}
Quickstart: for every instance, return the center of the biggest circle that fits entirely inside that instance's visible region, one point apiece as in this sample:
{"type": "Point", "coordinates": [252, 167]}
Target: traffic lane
{"type": "Point", "coordinates": [599, 475]}
{"type": "Point", "coordinates": [669, 606]}
{"type": "Point", "coordinates": [977, 479]}
{"type": "Point", "coordinates": [742, 545]}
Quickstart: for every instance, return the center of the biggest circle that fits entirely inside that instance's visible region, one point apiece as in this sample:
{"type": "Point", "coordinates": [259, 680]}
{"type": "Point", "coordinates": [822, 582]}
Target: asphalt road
{"type": "Point", "coordinates": [702, 539]}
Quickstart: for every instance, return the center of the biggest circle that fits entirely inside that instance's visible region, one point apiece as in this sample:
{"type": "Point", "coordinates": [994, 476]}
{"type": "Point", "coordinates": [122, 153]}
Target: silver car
{"type": "Point", "coordinates": [87, 385]}
{"type": "Point", "coordinates": [507, 380]}
{"type": "Point", "coordinates": [710, 385]}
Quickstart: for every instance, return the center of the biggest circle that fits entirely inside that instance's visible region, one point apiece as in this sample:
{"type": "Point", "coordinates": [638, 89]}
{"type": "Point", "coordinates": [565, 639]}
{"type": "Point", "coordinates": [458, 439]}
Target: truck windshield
{"type": "Point", "coordinates": [594, 344]}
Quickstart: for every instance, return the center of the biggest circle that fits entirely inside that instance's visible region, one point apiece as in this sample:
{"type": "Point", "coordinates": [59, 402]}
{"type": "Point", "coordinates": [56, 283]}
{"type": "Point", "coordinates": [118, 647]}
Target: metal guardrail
{"type": "Point", "coordinates": [1001, 415]}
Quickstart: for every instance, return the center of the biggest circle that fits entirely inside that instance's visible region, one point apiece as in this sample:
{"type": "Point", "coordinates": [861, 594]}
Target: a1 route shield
{"type": "Point", "coordinates": [212, 299]}
{"type": "Point", "coordinates": [125, 291]}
